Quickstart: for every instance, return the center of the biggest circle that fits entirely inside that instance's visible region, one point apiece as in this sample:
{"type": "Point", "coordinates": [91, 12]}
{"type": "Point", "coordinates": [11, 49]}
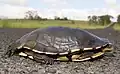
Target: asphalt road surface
{"type": "Point", "coordinates": [109, 64]}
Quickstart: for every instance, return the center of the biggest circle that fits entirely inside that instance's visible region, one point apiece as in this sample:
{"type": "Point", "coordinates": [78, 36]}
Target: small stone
{"type": "Point", "coordinates": [34, 72]}
{"type": "Point", "coordinates": [110, 55]}
{"type": "Point", "coordinates": [50, 70]}
{"type": "Point", "coordinates": [41, 71]}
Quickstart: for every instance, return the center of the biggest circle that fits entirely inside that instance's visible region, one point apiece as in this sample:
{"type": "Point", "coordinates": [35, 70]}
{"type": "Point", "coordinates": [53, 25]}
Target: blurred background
{"type": "Point", "coordinates": [44, 13]}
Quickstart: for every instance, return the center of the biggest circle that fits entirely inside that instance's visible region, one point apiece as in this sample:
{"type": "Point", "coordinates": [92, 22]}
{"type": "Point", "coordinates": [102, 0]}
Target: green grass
{"type": "Point", "coordinates": [12, 23]}
{"type": "Point", "coordinates": [117, 27]}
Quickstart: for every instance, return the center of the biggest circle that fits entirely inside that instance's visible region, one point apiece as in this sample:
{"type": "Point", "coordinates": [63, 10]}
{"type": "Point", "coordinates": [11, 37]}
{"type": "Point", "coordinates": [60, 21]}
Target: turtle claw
{"type": "Point", "coordinates": [49, 61]}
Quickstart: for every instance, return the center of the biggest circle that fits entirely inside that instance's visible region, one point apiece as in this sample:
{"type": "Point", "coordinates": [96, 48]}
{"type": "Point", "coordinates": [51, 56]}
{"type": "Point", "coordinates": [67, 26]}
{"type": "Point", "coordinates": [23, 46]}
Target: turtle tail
{"type": "Point", "coordinates": [8, 53]}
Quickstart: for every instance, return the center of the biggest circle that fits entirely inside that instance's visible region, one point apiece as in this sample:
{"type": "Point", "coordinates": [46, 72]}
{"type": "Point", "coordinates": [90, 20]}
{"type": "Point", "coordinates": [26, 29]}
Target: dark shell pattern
{"type": "Point", "coordinates": [62, 43]}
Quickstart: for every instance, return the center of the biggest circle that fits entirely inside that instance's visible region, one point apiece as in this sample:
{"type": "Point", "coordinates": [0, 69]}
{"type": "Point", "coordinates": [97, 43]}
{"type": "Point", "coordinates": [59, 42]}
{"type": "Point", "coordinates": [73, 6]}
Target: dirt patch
{"type": "Point", "coordinates": [17, 65]}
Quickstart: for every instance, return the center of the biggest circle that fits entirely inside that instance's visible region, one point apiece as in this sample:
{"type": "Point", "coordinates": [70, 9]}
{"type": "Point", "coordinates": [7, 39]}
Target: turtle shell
{"type": "Point", "coordinates": [60, 43]}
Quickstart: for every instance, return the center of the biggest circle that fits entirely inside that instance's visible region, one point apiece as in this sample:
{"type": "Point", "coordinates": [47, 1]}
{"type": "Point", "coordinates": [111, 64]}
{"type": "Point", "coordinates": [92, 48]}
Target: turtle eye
{"type": "Point", "coordinates": [110, 45]}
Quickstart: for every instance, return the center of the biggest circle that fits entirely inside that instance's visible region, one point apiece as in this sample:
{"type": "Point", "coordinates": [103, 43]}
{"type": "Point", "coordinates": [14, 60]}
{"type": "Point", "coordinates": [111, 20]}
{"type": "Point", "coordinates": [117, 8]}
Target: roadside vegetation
{"type": "Point", "coordinates": [33, 20]}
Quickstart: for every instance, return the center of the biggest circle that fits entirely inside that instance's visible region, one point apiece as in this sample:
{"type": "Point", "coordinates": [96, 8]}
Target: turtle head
{"type": "Point", "coordinates": [104, 44]}
{"type": "Point", "coordinates": [108, 46]}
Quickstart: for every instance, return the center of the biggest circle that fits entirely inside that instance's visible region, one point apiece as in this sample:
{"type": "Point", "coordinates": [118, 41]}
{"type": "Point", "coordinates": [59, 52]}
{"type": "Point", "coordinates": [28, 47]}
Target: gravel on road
{"type": "Point", "coordinates": [109, 64]}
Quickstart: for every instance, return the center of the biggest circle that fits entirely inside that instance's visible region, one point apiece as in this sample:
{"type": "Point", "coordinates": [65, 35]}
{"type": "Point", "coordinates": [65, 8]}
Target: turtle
{"type": "Point", "coordinates": [47, 45]}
